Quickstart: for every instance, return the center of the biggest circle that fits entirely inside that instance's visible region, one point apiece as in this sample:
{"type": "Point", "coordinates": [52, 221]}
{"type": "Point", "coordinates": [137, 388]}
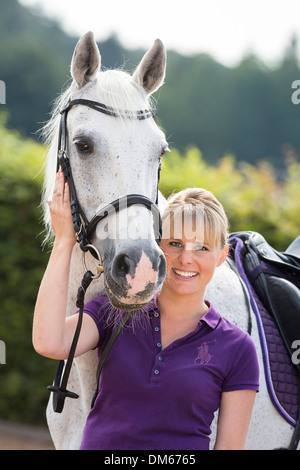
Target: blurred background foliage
{"type": "Point", "coordinates": [254, 199]}
{"type": "Point", "coordinates": [233, 131]}
{"type": "Point", "coordinates": [24, 377]}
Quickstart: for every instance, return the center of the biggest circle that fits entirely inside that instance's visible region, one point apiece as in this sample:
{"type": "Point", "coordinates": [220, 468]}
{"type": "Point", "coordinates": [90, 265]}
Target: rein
{"type": "Point", "coordinates": [84, 229]}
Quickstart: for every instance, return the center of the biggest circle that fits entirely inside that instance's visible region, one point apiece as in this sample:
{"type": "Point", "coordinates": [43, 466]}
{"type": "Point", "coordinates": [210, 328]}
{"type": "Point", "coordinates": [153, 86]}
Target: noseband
{"type": "Point", "coordinates": [84, 229]}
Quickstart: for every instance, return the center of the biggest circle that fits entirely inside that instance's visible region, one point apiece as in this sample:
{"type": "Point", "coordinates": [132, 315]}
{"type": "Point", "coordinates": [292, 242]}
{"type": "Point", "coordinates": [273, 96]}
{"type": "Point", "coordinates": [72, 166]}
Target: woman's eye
{"type": "Point", "coordinates": [82, 146]}
{"type": "Point", "coordinates": [201, 248]}
{"type": "Point", "coordinates": [175, 244]}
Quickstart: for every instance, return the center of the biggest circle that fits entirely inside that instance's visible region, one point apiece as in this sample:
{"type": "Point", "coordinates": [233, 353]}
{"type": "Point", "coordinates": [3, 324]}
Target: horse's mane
{"type": "Point", "coordinates": [114, 88]}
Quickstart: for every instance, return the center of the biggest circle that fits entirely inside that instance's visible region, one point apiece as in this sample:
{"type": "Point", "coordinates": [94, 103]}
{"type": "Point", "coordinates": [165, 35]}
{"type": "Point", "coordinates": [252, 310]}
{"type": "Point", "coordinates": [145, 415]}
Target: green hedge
{"type": "Point", "coordinates": [24, 378]}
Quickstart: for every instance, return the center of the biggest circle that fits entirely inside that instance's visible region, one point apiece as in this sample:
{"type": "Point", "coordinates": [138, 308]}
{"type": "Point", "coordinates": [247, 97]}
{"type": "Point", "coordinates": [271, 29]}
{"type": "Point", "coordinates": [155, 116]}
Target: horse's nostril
{"type": "Point", "coordinates": [135, 270]}
{"type": "Point", "coordinates": [122, 266]}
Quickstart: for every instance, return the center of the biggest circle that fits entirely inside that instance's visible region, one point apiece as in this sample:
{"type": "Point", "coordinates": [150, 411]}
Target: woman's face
{"type": "Point", "coordinates": [190, 264]}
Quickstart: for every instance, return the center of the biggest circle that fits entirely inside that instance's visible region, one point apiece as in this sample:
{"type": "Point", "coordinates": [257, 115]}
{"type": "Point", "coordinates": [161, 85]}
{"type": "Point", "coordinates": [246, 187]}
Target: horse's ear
{"type": "Point", "coordinates": [150, 73]}
{"type": "Point", "coordinates": [86, 60]}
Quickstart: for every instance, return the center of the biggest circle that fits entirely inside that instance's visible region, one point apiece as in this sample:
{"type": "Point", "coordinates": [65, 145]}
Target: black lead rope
{"type": "Point", "coordinates": [59, 388]}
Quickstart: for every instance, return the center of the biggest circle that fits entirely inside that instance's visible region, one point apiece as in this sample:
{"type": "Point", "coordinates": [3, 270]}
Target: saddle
{"type": "Point", "coordinates": [272, 279]}
{"type": "Point", "coordinates": [275, 277]}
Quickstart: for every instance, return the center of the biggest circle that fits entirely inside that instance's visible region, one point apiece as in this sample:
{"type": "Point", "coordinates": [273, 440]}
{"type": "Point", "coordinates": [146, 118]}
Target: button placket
{"type": "Point", "coordinates": [156, 370]}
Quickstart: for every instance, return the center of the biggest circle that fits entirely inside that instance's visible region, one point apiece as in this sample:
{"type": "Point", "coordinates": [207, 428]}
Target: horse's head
{"type": "Point", "coordinates": [114, 154]}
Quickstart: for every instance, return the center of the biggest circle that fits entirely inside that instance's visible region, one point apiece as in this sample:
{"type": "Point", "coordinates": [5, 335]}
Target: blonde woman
{"type": "Point", "coordinates": [166, 376]}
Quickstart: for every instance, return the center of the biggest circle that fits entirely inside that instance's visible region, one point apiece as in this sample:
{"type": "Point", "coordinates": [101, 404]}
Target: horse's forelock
{"type": "Point", "coordinates": [116, 88]}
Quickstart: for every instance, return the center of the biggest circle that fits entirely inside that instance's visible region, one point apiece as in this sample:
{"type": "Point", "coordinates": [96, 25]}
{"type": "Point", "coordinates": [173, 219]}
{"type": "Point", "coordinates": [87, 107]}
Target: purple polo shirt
{"type": "Point", "coordinates": [164, 399]}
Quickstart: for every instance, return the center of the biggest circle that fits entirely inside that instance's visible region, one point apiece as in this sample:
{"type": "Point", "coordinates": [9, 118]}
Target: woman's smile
{"type": "Point", "coordinates": [184, 275]}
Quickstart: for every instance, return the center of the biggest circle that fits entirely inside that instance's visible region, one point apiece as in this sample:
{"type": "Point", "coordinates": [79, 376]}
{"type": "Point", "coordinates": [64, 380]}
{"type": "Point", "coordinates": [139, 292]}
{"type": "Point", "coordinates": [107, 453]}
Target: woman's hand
{"type": "Point", "coordinates": [49, 337]}
{"type": "Point", "coordinates": [60, 211]}
{"type": "Point", "coordinates": [52, 334]}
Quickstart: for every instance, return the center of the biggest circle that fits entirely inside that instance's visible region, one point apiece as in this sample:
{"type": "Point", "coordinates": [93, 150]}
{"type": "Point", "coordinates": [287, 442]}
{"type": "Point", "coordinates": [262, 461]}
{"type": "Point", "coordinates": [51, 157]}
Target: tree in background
{"type": "Point", "coordinates": [245, 110]}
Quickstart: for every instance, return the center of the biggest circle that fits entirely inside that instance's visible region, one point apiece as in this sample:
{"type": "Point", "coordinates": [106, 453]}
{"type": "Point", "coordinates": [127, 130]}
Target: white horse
{"type": "Point", "coordinates": [112, 154]}
{"type": "Point", "coordinates": [124, 156]}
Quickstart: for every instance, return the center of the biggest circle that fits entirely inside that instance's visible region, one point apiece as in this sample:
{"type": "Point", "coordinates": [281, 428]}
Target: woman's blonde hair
{"type": "Point", "coordinates": [196, 213]}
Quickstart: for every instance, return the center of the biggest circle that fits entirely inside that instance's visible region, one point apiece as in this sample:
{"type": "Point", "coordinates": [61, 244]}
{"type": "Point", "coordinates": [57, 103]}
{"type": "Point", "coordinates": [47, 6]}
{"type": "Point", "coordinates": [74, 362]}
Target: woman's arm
{"type": "Point", "coordinates": [52, 332]}
{"type": "Point", "coordinates": [234, 419]}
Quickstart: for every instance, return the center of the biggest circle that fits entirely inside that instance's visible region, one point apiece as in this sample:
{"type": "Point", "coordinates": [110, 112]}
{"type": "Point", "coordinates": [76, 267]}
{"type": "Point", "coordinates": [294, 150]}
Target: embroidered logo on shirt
{"type": "Point", "coordinates": [203, 354]}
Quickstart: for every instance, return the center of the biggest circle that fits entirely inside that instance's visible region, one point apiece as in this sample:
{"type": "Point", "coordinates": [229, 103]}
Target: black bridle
{"type": "Point", "coordinates": [84, 229]}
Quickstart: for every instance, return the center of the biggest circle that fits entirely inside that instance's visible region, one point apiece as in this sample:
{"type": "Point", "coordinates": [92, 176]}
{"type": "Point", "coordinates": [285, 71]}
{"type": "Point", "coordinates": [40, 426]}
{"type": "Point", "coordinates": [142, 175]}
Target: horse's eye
{"type": "Point", "coordinates": [82, 146]}
{"type": "Point", "coordinates": [166, 149]}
